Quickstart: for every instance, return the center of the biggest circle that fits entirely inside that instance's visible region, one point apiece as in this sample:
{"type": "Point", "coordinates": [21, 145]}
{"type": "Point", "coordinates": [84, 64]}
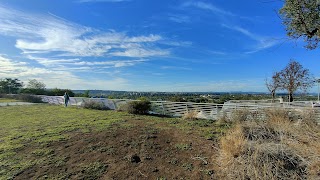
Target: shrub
{"type": "Point", "coordinates": [277, 114]}
{"type": "Point", "coordinates": [137, 107]}
{"type": "Point", "coordinates": [233, 144]}
{"type": "Point", "coordinates": [309, 117]}
{"type": "Point", "coordinates": [23, 97]}
{"type": "Point", "coordinates": [190, 115]}
{"type": "Point", "coordinates": [122, 107]}
{"type": "Point", "coordinates": [273, 148]}
{"type": "Point", "coordinates": [59, 92]}
{"type": "Point", "coordinates": [240, 115]}
{"type": "Point", "coordinates": [33, 91]}
{"type": "Point", "coordinates": [29, 98]}
{"type": "Point", "coordinates": [95, 105]}
{"type": "Point", "coordinates": [224, 118]}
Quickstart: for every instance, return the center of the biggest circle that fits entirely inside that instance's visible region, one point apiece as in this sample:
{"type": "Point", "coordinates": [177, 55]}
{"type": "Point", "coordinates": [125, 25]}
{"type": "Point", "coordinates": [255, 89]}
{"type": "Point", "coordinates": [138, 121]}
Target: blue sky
{"type": "Point", "coordinates": [147, 45]}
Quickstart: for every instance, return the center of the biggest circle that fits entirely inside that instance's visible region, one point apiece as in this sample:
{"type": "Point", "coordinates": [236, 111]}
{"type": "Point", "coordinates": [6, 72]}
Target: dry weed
{"type": "Point", "coordinates": [240, 115]}
{"type": "Point", "coordinates": [224, 118]}
{"type": "Point", "coordinates": [190, 115]}
{"type": "Point", "coordinates": [233, 143]}
{"type": "Point", "coordinates": [277, 114]}
{"type": "Point", "coordinates": [308, 117]}
{"type": "Point", "coordinates": [274, 148]}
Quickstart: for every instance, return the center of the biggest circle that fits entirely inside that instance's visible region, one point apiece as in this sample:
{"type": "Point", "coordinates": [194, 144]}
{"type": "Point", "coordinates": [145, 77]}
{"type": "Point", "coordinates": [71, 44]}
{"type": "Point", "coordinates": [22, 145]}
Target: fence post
{"type": "Point", "coordinates": [217, 109]}
{"type": "Point", "coordinates": [75, 99]}
{"type": "Point", "coordinates": [163, 110]}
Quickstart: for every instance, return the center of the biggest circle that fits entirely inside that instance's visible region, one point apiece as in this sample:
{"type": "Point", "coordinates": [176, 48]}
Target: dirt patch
{"type": "Point", "coordinates": [135, 151]}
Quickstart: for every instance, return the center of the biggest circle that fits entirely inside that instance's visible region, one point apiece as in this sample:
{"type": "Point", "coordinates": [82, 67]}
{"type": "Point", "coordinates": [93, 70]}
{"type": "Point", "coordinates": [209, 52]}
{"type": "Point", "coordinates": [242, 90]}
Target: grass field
{"type": "Point", "coordinates": [53, 142]}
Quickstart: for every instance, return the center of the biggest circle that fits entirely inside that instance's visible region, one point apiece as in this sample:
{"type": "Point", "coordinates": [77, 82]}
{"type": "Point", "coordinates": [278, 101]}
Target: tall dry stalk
{"type": "Point", "coordinates": [278, 147]}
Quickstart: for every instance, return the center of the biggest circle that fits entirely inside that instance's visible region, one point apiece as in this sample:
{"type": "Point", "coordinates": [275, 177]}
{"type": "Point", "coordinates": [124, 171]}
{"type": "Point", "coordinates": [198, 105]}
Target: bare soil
{"type": "Point", "coordinates": [138, 150]}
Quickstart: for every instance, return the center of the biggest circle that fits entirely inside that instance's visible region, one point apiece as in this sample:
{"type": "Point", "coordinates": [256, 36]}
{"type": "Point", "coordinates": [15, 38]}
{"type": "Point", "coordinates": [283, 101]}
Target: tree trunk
{"type": "Point", "coordinates": [273, 95]}
{"type": "Point", "coordinates": [290, 97]}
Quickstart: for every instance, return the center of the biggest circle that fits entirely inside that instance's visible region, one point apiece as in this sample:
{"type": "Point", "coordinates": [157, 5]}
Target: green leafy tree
{"type": "Point", "coordinates": [59, 92]}
{"type": "Point", "coordinates": [302, 19]}
{"type": "Point", "coordinates": [35, 87]}
{"type": "Point", "coordinates": [86, 93]}
{"type": "Point", "coordinates": [35, 84]}
{"type": "Point", "coordinates": [294, 77]}
{"type": "Point", "coordinates": [177, 99]}
{"type": "Point", "coordinates": [9, 85]}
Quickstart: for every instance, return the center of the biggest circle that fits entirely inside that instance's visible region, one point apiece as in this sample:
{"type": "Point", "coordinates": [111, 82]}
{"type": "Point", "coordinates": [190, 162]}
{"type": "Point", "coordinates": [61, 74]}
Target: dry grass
{"type": "Point", "coordinates": [240, 115]}
{"type": "Point", "coordinates": [282, 146]}
{"type": "Point", "coordinates": [190, 115]}
{"type": "Point", "coordinates": [233, 144]}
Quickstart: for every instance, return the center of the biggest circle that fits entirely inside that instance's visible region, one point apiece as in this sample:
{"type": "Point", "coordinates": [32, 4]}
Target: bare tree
{"type": "Point", "coordinates": [294, 77]}
{"type": "Point", "coordinates": [273, 84]}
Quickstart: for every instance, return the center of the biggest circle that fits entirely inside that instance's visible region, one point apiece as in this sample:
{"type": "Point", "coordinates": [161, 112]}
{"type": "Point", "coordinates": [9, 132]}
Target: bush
{"type": "Point", "coordinates": [273, 148]}
{"type": "Point", "coordinates": [23, 97]}
{"type": "Point", "coordinates": [240, 115]}
{"type": "Point", "coordinates": [33, 91]}
{"type": "Point", "coordinates": [59, 92]}
{"type": "Point", "coordinates": [28, 98]}
{"type": "Point", "coordinates": [95, 105]}
{"type": "Point", "coordinates": [137, 107]}
{"type": "Point", "coordinates": [191, 115]}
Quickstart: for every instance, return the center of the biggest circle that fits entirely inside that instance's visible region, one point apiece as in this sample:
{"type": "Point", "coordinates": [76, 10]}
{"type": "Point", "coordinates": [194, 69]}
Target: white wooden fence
{"type": "Point", "coordinates": [77, 101]}
{"type": "Point", "coordinates": [204, 110]}
{"type": "Point", "coordinates": [215, 111]}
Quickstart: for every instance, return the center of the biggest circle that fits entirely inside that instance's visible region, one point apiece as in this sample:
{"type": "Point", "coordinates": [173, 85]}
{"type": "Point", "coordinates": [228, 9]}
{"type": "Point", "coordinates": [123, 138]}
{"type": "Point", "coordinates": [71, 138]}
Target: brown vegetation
{"type": "Point", "coordinates": [190, 115]}
{"type": "Point", "coordinates": [283, 146]}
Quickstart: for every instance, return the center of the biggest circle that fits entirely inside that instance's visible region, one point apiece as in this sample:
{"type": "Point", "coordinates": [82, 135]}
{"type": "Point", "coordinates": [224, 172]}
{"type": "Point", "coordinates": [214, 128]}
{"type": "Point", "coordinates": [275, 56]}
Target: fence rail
{"type": "Point", "coordinates": [204, 110]}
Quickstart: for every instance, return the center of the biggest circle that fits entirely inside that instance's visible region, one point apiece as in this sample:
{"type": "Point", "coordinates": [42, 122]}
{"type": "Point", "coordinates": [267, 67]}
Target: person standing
{"type": "Point", "coordinates": [66, 99]}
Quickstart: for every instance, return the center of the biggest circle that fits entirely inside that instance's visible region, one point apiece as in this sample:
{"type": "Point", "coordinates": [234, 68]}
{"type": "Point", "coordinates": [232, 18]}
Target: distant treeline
{"type": "Point", "coordinates": [35, 87]}
{"type": "Point", "coordinates": [197, 97]}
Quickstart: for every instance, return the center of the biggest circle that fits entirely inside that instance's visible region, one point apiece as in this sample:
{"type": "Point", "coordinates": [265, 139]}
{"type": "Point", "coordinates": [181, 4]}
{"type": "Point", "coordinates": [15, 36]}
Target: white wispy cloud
{"type": "Point", "coordinates": [49, 62]}
{"type": "Point", "coordinates": [7, 66]}
{"type": "Point", "coordinates": [262, 41]}
{"type": "Point", "coordinates": [177, 43]}
{"type": "Point", "coordinates": [38, 34]}
{"type": "Point", "coordinates": [119, 63]}
{"type": "Point", "coordinates": [62, 78]}
{"type": "Point", "coordinates": [15, 69]}
{"type": "Point", "coordinates": [77, 64]}
{"type": "Point", "coordinates": [141, 52]}
{"type": "Point", "coordinates": [60, 52]}
{"type": "Point", "coordinates": [179, 18]}
{"type": "Point", "coordinates": [176, 68]}
{"type": "Point", "coordinates": [208, 7]}
{"type": "Point", "coordinates": [244, 32]}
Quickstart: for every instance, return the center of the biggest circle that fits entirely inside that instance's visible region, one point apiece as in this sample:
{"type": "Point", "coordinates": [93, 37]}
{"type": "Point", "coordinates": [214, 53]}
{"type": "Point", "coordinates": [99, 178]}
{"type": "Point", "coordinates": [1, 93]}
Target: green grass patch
{"type": "Point", "coordinates": [5, 100]}
{"type": "Point", "coordinates": [34, 127]}
{"type": "Point", "coordinates": [27, 132]}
